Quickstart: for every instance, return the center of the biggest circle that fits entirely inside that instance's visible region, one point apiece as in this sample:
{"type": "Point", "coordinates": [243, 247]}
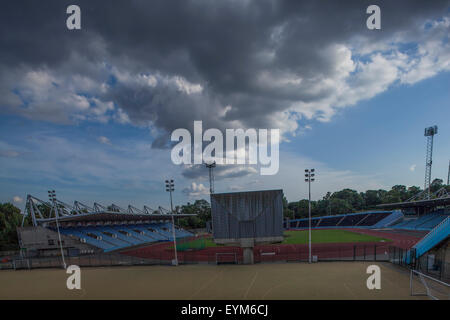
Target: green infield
{"type": "Point", "coordinates": [292, 237]}
{"type": "Point", "coordinates": [327, 236]}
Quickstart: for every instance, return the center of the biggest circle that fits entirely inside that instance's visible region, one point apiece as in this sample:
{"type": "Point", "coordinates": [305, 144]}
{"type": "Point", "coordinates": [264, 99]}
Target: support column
{"type": "Point", "coordinates": [247, 245]}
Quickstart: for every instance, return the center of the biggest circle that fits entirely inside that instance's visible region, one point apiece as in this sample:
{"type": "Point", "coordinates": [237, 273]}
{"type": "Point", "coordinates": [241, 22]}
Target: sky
{"type": "Point", "coordinates": [89, 112]}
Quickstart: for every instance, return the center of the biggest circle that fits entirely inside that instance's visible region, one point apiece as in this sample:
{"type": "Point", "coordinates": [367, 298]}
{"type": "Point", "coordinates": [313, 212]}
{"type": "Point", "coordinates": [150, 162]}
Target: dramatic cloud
{"type": "Point", "coordinates": [220, 171]}
{"type": "Point", "coordinates": [196, 190]}
{"type": "Point", "coordinates": [260, 64]}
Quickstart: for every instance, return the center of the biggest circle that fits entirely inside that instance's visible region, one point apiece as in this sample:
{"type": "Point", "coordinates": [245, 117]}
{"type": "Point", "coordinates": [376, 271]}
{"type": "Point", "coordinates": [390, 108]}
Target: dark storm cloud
{"type": "Point", "coordinates": [220, 172]}
{"type": "Point", "coordinates": [249, 55]}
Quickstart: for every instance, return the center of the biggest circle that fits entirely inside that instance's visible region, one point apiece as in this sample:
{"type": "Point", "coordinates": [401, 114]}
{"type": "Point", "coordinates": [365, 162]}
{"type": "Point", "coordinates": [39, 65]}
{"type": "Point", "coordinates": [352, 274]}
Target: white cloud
{"type": "Point", "coordinates": [412, 168]}
{"type": "Point", "coordinates": [9, 153]}
{"type": "Point", "coordinates": [196, 190]}
{"type": "Point", "coordinates": [17, 199]}
{"type": "Point", "coordinates": [104, 140]}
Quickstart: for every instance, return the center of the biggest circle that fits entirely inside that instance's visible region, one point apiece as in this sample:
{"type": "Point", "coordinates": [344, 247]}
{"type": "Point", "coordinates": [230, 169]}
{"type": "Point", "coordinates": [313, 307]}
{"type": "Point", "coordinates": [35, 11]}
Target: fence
{"type": "Point", "coordinates": [398, 256]}
{"type": "Point", "coordinates": [323, 252]}
{"type": "Point", "coordinates": [96, 260]}
{"type": "Point", "coordinates": [262, 254]}
{"type": "Point", "coordinates": [428, 264]}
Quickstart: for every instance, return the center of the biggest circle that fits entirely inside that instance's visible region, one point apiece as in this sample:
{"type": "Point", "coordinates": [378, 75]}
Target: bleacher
{"type": "Point", "coordinates": [373, 219]}
{"type": "Point", "coordinates": [115, 237]}
{"type": "Point", "coordinates": [440, 232]}
{"type": "Point", "coordinates": [425, 222]}
{"type": "Point", "coordinates": [361, 219]}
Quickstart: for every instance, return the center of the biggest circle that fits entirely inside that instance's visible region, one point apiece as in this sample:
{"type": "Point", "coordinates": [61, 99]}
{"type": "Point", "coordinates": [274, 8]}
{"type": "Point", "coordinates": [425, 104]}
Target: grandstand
{"type": "Point", "coordinates": [372, 219]}
{"type": "Point", "coordinates": [425, 222]}
{"type": "Point", "coordinates": [98, 229]}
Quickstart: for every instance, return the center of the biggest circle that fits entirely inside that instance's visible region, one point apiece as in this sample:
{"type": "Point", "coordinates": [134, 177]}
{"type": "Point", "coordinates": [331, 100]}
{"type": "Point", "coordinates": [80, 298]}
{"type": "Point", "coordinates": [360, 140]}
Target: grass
{"type": "Point", "coordinates": [194, 244]}
{"type": "Point", "coordinates": [327, 236]}
{"type": "Point", "coordinates": [301, 237]}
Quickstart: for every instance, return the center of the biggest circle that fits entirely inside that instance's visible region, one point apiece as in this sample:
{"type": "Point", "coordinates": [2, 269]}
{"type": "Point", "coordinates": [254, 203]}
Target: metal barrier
{"type": "Point", "coordinates": [266, 254]}
{"type": "Point", "coordinates": [427, 264]}
{"type": "Point", "coordinates": [430, 286]}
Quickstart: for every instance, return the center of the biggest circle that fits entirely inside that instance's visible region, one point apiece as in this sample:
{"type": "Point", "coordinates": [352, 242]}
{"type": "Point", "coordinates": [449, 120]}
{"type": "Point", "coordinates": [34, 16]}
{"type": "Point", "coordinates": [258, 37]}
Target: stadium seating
{"type": "Point", "coordinates": [439, 233]}
{"type": "Point", "coordinates": [114, 237]}
{"type": "Point", "coordinates": [425, 222]}
{"type": "Point", "coordinates": [394, 217]}
{"type": "Point", "coordinates": [363, 219]}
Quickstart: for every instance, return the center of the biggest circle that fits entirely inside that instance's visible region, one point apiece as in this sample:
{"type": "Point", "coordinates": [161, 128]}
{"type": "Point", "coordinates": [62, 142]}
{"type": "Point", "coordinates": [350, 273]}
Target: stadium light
{"type": "Point", "coordinates": [52, 197]}
{"type": "Point", "coordinates": [210, 167]}
{"type": "Point", "coordinates": [309, 178]}
{"type": "Point", "coordinates": [170, 187]}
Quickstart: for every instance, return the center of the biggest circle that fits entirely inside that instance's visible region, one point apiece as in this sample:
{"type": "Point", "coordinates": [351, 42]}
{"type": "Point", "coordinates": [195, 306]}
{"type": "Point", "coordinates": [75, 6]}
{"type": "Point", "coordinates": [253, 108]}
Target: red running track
{"type": "Point", "coordinates": [287, 252]}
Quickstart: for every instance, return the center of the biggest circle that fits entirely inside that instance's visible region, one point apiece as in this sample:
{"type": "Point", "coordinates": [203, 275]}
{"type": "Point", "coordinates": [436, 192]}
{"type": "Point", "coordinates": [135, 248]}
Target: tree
{"type": "Point", "coordinates": [372, 198]}
{"type": "Point", "coordinates": [10, 219]}
{"type": "Point", "coordinates": [340, 206]}
{"type": "Point", "coordinates": [352, 197]}
{"type": "Point", "coordinates": [287, 211]}
{"type": "Point", "coordinates": [436, 185]}
{"type": "Point", "coordinates": [201, 208]}
{"type": "Point", "coordinates": [413, 190]}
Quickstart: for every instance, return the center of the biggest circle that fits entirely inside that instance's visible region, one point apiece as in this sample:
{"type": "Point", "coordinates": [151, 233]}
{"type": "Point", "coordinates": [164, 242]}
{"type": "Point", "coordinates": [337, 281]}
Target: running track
{"type": "Point", "coordinates": [286, 252]}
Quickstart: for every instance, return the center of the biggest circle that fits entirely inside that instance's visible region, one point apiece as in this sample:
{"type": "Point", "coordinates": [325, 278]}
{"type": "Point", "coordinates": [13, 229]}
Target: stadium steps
{"type": "Point", "coordinates": [342, 219]}
{"type": "Point", "coordinates": [158, 228]}
{"type": "Point", "coordinates": [318, 223]}
{"type": "Point", "coordinates": [434, 237]}
{"type": "Point", "coordinates": [389, 220]}
{"type": "Point", "coordinates": [115, 241]}
{"type": "Point", "coordinates": [432, 222]}
{"type": "Point", "coordinates": [180, 233]}
{"type": "Point", "coordinates": [142, 237]}
{"type": "Point", "coordinates": [154, 234]}
{"type": "Point", "coordinates": [426, 219]}
{"type": "Point", "coordinates": [360, 221]}
{"type": "Point", "coordinates": [92, 241]}
{"type": "Point", "coordinates": [128, 239]}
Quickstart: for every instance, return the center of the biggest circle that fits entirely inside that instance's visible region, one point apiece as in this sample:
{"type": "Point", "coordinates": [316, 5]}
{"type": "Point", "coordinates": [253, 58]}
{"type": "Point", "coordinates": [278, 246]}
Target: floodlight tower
{"type": "Point", "coordinates": [429, 133]}
{"type": "Point", "coordinates": [309, 177]}
{"type": "Point", "coordinates": [210, 167]}
{"type": "Point", "coordinates": [170, 187]}
{"type": "Point", "coordinates": [448, 175]}
{"type": "Point", "coordinates": [52, 197]}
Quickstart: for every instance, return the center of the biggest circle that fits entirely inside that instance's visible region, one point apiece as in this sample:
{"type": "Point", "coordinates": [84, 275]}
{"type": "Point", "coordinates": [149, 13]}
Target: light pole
{"type": "Point", "coordinates": [210, 167]}
{"type": "Point", "coordinates": [309, 174]}
{"type": "Point", "coordinates": [52, 197]}
{"type": "Point", "coordinates": [170, 187]}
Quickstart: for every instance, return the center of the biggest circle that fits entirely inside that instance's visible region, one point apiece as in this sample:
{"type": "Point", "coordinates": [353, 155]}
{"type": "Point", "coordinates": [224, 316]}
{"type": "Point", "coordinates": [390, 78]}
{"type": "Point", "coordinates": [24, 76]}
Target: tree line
{"type": "Point", "coordinates": [349, 200]}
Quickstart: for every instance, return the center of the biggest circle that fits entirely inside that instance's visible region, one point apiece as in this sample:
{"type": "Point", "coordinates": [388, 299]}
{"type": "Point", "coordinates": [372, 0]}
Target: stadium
{"type": "Point", "coordinates": [247, 228]}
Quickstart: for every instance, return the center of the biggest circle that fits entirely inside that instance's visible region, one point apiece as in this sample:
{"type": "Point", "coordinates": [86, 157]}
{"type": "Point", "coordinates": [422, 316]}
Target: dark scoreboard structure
{"type": "Point", "coordinates": [246, 218]}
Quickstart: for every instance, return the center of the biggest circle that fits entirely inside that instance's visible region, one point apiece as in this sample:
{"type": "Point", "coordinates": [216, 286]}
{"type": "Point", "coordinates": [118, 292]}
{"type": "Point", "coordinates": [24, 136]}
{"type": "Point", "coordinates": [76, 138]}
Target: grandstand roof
{"type": "Point", "coordinates": [117, 216]}
{"type": "Point", "coordinates": [45, 212]}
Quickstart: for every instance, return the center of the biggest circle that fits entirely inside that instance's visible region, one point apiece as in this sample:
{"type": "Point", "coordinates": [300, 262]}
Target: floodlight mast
{"type": "Point", "coordinates": [429, 133]}
{"type": "Point", "coordinates": [448, 175]}
{"type": "Point", "coordinates": [210, 167]}
{"type": "Point", "coordinates": [52, 197]}
{"type": "Point", "coordinates": [309, 177]}
{"type": "Point", "coordinates": [170, 187]}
